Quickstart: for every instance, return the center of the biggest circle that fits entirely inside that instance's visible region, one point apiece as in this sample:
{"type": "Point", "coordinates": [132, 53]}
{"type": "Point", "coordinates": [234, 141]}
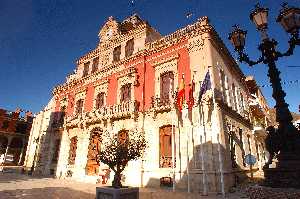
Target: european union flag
{"type": "Point", "coordinates": [206, 85]}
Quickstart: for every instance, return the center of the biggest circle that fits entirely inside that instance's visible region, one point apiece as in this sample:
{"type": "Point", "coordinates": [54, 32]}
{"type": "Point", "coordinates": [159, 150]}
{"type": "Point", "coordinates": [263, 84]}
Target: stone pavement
{"type": "Point", "coordinates": [13, 185]}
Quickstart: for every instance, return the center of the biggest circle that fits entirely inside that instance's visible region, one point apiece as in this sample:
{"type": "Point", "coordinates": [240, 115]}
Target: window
{"type": "Point", "coordinates": [92, 166]}
{"type": "Point", "coordinates": [166, 86]}
{"type": "Point", "coordinates": [62, 114]}
{"type": "Point", "coordinates": [21, 127]}
{"type": "Point", "coordinates": [117, 53]}
{"type": "Point", "coordinates": [227, 95]}
{"type": "Point", "coordinates": [165, 147]}
{"type": "Point", "coordinates": [100, 100]}
{"type": "Point", "coordinates": [56, 151]}
{"type": "Point", "coordinates": [5, 124]}
{"type": "Point", "coordinates": [232, 146]}
{"type": "Point", "coordinates": [129, 48]}
{"type": "Point", "coordinates": [72, 151]}
{"type": "Point", "coordinates": [95, 64]}
{"type": "Point", "coordinates": [242, 145]}
{"type": "Point", "coordinates": [86, 69]}
{"type": "Point", "coordinates": [125, 93]}
{"type": "Point", "coordinates": [235, 105]}
{"type": "Point", "coordinates": [79, 106]}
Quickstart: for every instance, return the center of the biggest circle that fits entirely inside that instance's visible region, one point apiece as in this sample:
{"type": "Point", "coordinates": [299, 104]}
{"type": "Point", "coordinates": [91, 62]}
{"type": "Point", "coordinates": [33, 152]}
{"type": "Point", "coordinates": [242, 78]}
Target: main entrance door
{"type": "Point", "coordinates": [92, 166]}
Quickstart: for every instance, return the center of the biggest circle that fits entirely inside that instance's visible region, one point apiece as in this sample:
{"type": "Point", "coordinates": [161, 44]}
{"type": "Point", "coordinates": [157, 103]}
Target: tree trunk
{"type": "Point", "coordinates": [116, 183]}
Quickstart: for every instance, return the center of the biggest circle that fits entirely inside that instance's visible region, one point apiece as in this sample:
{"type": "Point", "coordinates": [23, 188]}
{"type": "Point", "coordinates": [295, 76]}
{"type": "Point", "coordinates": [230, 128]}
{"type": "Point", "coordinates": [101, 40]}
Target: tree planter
{"type": "Point", "coordinates": [112, 193]}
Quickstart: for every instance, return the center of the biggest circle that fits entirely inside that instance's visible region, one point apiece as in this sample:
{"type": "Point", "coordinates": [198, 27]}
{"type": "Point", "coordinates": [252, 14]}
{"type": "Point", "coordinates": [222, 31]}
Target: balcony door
{"type": "Point", "coordinates": [166, 86]}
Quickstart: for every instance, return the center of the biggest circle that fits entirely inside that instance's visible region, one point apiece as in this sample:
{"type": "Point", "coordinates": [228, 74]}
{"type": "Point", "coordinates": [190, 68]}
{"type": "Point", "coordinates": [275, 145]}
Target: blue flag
{"type": "Point", "coordinates": [205, 86]}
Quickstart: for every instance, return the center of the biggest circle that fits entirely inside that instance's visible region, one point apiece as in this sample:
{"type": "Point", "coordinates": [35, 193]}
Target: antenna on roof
{"type": "Point", "coordinates": [189, 15]}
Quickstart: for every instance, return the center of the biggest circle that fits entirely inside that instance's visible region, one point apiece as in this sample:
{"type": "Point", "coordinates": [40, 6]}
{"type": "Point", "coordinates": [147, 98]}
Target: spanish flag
{"type": "Point", "coordinates": [180, 95]}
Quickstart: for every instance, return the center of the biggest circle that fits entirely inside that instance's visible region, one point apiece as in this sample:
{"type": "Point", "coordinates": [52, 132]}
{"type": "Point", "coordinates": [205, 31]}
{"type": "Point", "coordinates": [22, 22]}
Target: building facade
{"type": "Point", "coordinates": [14, 132]}
{"type": "Point", "coordinates": [128, 83]}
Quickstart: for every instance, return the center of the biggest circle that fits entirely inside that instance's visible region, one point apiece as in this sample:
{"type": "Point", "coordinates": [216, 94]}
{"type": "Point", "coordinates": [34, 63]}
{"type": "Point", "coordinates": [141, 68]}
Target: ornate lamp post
{"type": "Point", "coordinates": [287, 141]}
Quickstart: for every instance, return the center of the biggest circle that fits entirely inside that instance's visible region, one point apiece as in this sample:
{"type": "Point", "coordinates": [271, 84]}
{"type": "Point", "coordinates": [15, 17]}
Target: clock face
{"type": "Point", "coordinates": [109, 33]}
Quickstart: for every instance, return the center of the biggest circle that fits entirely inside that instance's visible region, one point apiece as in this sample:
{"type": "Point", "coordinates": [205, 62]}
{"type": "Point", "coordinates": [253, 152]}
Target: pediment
{"type": "Point", "coordinates": [110, 28]}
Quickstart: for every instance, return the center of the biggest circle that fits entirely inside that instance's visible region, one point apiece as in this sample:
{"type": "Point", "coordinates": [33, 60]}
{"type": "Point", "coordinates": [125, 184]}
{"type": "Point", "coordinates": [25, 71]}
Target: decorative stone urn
{"type": "Point", "coordinates": [113, 193]}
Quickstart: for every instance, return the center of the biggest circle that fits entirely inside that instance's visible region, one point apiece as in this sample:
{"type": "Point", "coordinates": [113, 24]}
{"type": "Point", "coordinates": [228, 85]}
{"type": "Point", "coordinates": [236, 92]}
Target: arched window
{"type": "Point", "coordinates": [129, 48]}
{"type": "Point", "coordinates": [100, 100]}
{"type": "Point", "coordinates": [165, 147]}
{"type": "Point", "coordinates": [125, 93]}
{"type": "Point", "coordinates": [166, 85]}
{"type": "Point", "coordinates": [72, 151]}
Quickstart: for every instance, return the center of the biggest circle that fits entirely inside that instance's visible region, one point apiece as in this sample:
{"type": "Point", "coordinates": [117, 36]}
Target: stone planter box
{"type": "Point", "coordinates": [112, 193]}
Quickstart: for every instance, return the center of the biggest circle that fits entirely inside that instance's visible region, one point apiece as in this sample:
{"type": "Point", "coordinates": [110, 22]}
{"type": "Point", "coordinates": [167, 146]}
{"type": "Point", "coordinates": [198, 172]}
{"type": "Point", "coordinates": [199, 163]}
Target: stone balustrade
{"type": "Point", "coordinates": [121, 110]}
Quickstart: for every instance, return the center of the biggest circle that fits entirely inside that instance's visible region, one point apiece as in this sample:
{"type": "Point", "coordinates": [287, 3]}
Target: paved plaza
{"type": "Point", "coordinates": [13, 185]}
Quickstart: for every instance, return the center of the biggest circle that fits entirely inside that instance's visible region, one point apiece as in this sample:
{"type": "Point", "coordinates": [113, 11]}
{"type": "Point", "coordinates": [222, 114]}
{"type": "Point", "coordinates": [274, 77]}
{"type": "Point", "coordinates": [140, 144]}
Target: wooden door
{"type": "Point", "coordinates": [92, 166]}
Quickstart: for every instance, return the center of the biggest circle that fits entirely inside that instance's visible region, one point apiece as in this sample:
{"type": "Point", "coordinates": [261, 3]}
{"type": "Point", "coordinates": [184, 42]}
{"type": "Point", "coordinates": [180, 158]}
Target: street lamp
{"type": "Point", "coordinates": [288, 139]}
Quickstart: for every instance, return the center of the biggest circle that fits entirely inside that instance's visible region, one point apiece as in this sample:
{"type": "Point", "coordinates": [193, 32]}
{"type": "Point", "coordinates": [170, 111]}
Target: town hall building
{"type": "Point", "coordinates": [128, 83]}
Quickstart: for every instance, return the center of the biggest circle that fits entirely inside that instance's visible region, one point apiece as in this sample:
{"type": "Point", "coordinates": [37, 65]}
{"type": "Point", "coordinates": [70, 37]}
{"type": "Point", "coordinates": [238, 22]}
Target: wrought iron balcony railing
{"type": "Point", "coordinates": [161, 104]}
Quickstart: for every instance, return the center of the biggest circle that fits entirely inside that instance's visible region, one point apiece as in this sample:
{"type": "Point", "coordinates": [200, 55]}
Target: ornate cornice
{"type": "Point", "coordinates": [190, 31]}
{"type": "Point", "coordinates": [116, 40]}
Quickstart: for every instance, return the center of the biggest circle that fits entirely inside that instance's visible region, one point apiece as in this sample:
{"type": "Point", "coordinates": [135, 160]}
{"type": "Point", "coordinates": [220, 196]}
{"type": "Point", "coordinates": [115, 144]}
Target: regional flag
{"type": "Point", "coordinates": [206, 85]}
{"type": "Point", "coordinates": [180, 95]}
{"type": "Point", "coordinates": [191, 96]}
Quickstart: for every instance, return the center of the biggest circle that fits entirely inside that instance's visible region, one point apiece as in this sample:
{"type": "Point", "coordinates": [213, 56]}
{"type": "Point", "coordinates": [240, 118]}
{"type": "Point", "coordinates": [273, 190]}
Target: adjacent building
{"type": "Point", "coordinates": [14, 132]}
{"type": "Point", "coordinates": [128, 83]}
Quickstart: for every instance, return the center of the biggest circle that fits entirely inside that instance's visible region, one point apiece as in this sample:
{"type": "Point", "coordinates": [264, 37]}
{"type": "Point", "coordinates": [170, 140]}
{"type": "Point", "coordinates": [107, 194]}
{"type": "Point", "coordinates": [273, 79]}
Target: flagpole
{"type": "Point", "coordinates": [218, 136]}
{"type": "Point", "coordinates": [202, 151]}
{"type": "Point", "coordinates": [173, 153]}
{"type": "Point", "coordinates": [173, 140]}
{"type": "Point", "coordinates": [187, 153]}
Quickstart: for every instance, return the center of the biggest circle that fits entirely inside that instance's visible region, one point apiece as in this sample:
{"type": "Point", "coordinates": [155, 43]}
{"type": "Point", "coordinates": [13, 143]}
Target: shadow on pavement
{"type": "Point", "coordinates": [6, 177]}
{"type": "Point", "coordinates": [46, 193]}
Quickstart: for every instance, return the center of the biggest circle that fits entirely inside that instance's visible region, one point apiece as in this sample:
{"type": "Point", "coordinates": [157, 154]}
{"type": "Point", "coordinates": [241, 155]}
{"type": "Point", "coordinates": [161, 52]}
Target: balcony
{"type": "Point", "coordinates": [166, 162]}
{"type": "Point", "coordinates": [121, 110]}
{"type": "Point", "coordinates": [117, 111]}
{"type": "Point", "coordinates": [159, 105]}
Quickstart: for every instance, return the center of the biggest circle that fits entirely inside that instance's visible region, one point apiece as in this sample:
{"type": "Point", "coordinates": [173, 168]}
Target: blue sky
{"type": "Point", "coordinates": [40, 40]}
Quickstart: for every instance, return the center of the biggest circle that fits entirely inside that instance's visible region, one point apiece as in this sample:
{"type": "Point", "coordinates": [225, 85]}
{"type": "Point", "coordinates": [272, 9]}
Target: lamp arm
{"type": "Point", "coordinates": [292, 44]}
{"type": "Point", "coordinates": [243, 57]}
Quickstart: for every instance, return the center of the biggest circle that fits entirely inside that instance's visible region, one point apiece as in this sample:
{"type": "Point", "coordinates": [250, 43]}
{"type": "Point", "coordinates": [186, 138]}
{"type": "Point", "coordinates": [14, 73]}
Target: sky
{"type": "Point", "coordinates": [41, 40]}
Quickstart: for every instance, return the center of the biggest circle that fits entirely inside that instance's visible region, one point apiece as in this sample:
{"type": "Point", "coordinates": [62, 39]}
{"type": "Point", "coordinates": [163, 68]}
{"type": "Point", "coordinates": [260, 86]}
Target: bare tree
{"type": "Point", "coordinates": [118, 149]}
